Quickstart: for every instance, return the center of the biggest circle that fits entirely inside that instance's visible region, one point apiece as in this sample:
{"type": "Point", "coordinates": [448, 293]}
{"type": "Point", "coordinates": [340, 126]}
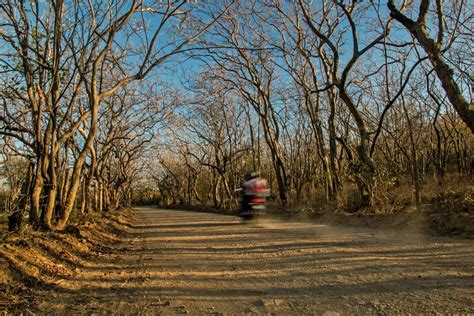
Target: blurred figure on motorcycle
{"type": "Point", "coordinates": [254, 192]}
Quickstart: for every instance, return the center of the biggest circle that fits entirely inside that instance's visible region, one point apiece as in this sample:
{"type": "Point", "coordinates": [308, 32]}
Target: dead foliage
{"type": "Point", "coordinates": [32, 261]}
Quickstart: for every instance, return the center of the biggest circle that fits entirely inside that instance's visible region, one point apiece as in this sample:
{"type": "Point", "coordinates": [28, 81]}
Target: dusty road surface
{"type": "Point", "coordinates": [177, 262]}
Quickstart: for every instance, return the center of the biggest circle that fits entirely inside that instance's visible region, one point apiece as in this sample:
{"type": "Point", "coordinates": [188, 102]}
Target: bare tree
{"type": "Point", "coordinates": [436, 47]}
{"type": "Point", "coordinates": [72, 57]}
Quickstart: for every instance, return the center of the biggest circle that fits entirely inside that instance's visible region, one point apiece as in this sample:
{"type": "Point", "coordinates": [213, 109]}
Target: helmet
{"type": "Point", "coordinates": [251, 175]}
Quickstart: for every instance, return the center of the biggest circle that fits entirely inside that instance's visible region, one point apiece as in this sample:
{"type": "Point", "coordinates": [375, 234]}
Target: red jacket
{"type": "Point", "coordinates": [255, 186]}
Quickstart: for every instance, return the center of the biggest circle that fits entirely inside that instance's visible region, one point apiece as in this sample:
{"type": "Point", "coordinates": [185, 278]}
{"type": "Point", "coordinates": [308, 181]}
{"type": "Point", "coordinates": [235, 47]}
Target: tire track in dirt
{"type": "Point", "coordinates": [178, 262]}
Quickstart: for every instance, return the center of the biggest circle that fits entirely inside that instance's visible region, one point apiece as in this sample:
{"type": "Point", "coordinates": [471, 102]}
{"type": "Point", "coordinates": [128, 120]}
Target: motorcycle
{"type": "Point", "coordinates": [251, 205]}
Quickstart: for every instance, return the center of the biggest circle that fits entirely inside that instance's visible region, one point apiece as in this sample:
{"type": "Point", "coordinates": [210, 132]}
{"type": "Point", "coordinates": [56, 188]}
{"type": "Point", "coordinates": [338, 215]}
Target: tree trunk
{"type": "Point", "coordinates": [414, 162]}
{"type": "Point", "coordinates": [333, 149]}
{"type": "Point", "coordinates": [25, 192]}
{"type": "Point", "coordinates": [47, 214]}
{"type": "Point", "coordinates": [215, 190]}
{"type": "Point", "coordinates": [82, 208]}
{"type": "Point", "coordinates": [106, 198]}
{"type": "Point", "coordinates": [100, 205]}
{"type": "Point", "coordinates": [78, 166]}
{"type": "Point", "coordinates": [35, 210]}
{"type": "Point", "coordinates": [366, 167]}
{"type": "Point", "coordinates": [88, 193]}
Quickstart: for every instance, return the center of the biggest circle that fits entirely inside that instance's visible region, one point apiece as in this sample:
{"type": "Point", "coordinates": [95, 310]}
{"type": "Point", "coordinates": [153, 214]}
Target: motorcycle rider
{"type": "Point", "coordinates": [254, 189]}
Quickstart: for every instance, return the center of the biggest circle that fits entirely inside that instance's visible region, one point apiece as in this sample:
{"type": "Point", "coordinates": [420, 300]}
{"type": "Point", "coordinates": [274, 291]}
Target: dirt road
{"type": "Point", "coordinates": [177, 262]}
